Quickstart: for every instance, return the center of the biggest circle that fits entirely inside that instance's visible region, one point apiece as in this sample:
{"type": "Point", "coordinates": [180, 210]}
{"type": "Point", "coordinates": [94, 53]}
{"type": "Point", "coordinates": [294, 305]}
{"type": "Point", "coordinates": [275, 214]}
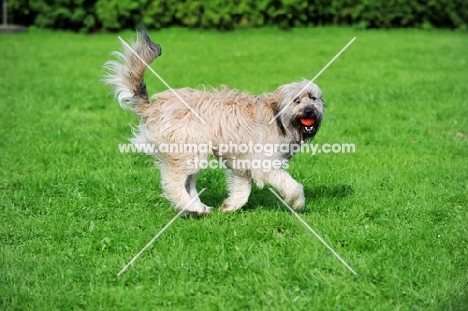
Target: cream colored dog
{"type": "Point", "coordinates": [288, 117]}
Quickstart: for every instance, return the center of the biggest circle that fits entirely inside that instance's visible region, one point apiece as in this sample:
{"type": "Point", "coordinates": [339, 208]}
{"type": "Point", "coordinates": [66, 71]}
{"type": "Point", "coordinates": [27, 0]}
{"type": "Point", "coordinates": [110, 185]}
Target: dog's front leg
{"type": "Point", "coordinates": [239, 186]}
{"type": "Point", "coordinates": [290, 189]}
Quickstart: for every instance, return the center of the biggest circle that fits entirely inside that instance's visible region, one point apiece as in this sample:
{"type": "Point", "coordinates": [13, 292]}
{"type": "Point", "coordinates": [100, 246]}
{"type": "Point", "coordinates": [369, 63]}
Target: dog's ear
{"type": "Point", "coordinates": [273, 102]}
{"type": "Point", "coordinates": [279, 94]}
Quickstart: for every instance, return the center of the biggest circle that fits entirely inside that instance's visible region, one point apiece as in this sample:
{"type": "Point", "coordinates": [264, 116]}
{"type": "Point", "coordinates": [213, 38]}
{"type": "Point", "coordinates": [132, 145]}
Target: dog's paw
{"type": "Point", "coordinates": [298, 203]}
{"type": "Point", "coordinates": [228, 207]}
{"type": "Point", "coordinates": [196, 210]}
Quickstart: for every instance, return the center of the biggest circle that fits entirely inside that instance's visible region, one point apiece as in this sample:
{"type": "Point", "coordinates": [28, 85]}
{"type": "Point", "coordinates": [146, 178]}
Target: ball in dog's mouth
{"type": "Point", "coordinates": [307, 123]}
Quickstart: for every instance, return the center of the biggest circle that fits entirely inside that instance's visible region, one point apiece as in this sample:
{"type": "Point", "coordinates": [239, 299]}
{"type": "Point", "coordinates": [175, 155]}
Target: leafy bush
{"type": "Point", "coordinates": [70, 14]}
{"type": "Point", "coordinates": [90, 15]}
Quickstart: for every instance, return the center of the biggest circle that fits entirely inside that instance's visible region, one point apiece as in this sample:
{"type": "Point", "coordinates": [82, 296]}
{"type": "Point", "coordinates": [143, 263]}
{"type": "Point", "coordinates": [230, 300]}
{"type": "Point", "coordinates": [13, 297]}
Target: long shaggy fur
{"type": "Point", "coordinates": [231, 117]}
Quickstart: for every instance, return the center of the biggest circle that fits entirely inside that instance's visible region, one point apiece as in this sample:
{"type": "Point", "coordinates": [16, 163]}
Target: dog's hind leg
{"type": "Point", "coordinates": [191, 186]}
{"type": "Point", "coordinates": [239, 186]}
{"type": "Point", "coordinates": [179, 188]}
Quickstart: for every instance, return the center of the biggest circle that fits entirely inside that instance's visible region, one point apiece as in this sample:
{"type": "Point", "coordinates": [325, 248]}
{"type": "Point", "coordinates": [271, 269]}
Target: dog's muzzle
{"type": "Point", "coordinates": [309, 121]}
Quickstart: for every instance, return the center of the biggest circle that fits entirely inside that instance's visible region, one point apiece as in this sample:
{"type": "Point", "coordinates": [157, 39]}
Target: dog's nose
{"type": "Point", "coordinates": [309, 112]}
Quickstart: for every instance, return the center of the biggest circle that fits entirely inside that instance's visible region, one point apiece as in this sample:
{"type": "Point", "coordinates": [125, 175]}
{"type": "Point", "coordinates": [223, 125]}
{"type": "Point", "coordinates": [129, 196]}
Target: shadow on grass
{"type": "Point", "coordinates": [265, 199]}
{"type": "Point", "coordinates": [215, 183]}
{"type": "Point", "coordinates": [338, 191]}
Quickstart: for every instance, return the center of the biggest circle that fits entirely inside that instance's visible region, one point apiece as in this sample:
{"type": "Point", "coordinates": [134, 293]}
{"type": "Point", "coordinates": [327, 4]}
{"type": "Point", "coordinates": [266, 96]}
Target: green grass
{"type": "Point", "coordinates": [74, 210]}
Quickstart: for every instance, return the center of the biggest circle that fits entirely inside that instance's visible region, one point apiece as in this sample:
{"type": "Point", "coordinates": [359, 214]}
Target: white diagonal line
{"type": "Point", "coordinates": [311, 81]}
{"type": "Point", "coordinates": [161, 79]}
{"type": "Point", "coordinates": [315, 233]}
{"type": "Point", "coordinates": [159, 233]}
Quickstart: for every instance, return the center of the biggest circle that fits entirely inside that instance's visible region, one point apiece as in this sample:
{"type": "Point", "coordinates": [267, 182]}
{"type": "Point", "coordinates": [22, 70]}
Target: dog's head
{"type": "Point", "coordinates": [300, 107]}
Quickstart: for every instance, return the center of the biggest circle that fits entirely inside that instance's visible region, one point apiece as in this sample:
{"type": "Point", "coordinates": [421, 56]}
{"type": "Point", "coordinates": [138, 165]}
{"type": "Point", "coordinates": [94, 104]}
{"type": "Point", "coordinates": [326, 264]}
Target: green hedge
{"type": "Point", "coordinates": [91, 15]}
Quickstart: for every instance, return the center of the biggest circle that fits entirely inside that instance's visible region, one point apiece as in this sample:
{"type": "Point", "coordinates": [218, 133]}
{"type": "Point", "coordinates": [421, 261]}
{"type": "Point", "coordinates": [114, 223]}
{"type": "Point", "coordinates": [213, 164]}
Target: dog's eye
{"type": "Point", "coordinates": [312, 96]}
{"type": "Point", "coordinates": [297, 100]}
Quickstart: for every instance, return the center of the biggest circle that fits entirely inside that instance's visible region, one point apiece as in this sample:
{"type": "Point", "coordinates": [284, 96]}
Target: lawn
{"type": "Point", "coordinates": [74, 210]}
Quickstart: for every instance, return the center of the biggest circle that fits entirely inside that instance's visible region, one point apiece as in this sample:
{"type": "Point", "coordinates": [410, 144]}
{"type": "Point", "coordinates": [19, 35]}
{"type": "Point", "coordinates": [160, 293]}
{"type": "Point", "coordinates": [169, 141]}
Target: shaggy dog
{"type": "Point", "coordinates": [287, 117]}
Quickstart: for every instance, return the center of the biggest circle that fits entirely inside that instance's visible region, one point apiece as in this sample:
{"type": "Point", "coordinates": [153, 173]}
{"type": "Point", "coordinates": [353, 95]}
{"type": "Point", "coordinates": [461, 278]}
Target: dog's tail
{"type": "Point", "coordinates": [125, 74]}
